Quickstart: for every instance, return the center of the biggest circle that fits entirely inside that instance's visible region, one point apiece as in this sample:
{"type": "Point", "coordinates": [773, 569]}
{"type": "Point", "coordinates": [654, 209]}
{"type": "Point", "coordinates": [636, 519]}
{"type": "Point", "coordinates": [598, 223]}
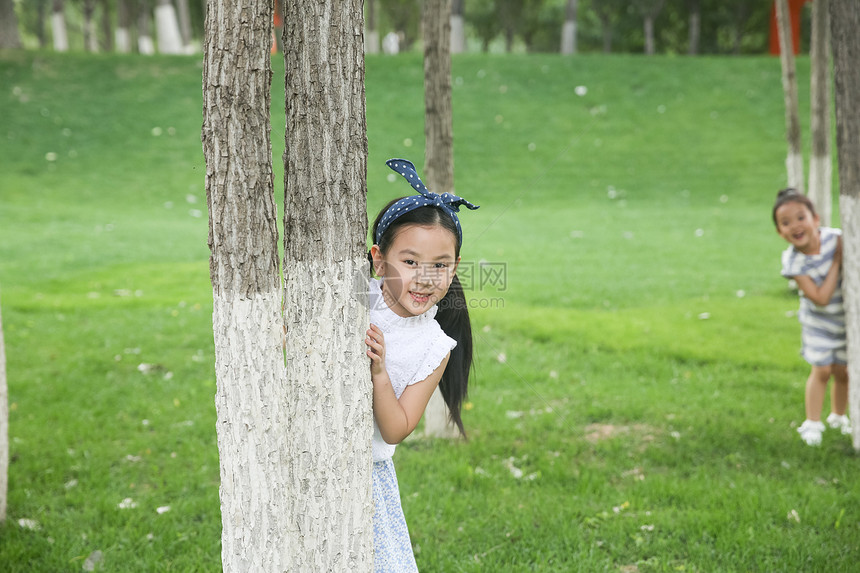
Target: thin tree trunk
{"type": "Point", "coordinates": [327, 389]}
{"type": "Point", "coordinates": [820, 164]}
{"type": "Point", "coordinates": [167, 28]}
{"type": "Point", "coordinates": [145, 43]}
{"type": "Point", "coordinates": [9, 36]}
{"type": "Point", "coordinates": [568, 31]}
{"type": "Point", "coordinates": [844, 22]}
{"type": "Point", "coordinates": [794, 159]}
{"type": "Point", "coordinates": [184, 23]}
{"type": "Point", "coordinates": [91, 43]}
{"type": "Point", "coordinates": [695, 27]}
{"type": "Point", "coordinates": [649, 35]}
{"type": "Point", "coordinates": [438, 149]}
{"type": "Point", "coordinates": [41, 10]}
{"type": "Point", "coordinates": [107, 31]}
{"type": "Point", "coordinates": [458, 27]}
{"type": "Point", "coordinates": [123, 28]}
{"type": "Point", "coordinates": [606, 27]}
{"type": "Point", "coordinates": [58, 26]}
{"type": "Point", "coordinates": [246, 288]}
{"type": "Point", "coordinates": [4, 428]}
{"type": "Point", "coordinates": [371, 39]}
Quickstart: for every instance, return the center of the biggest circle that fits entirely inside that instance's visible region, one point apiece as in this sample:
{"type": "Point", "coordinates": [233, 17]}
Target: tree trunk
{"type": "Point", "coordinates": [123, 27]}
{"type": "Point", "coordinates": [41, 9]}
{"type": "Point", "coordinates": [794, 159]}
{"type": "Point", "coordinates": [107, 31]}
{"type": "Point", "coordinates": [167, 28]}
{"type": "Point", "coordinates": [9, 35]}
{"type": "Point", "coordinates": [844, 22]}
{"type": "Point", "coordinates": [184, 16]}
{"type": "Point", "coordinates": [438, 148]}
{"type": "Point", "coordinates": [820, 164]}
{"type": "Point", "coordinates": [4, 428]}
{"type": "Point", "coordinates": [58, 27]}
{"type": "Point", "coordinates": [695, 27]}
{"type": "Point", "coordinates": [458, 27]}
{"type": "Point", "coordinates": [371, 35]}
{"type": "Point", "coordinates": [91, 43]}
{"type": "Point", "coordinates": [145, 44]}
{"type": "Point", "coordinates": [568, 31]}
{"type": "Point", "coordinates": [606, 26]}
{"type": "Point", "coordinates": [327, 389]}
{"type": "Point", "coordinates": [649, 35]}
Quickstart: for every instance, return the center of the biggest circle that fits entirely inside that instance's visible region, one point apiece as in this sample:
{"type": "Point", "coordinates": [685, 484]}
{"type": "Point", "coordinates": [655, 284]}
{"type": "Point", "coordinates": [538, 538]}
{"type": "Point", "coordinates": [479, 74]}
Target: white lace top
{"type": "Point", "coordinates": [414, 347]}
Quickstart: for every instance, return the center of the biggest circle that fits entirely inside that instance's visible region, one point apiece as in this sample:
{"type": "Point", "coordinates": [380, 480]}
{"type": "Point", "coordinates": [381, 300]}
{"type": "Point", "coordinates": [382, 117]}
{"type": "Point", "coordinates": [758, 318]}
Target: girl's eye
{"type": "Point", "coordinates": [409, 262]}
{"type": "Point", "coordinates": [441, 265]}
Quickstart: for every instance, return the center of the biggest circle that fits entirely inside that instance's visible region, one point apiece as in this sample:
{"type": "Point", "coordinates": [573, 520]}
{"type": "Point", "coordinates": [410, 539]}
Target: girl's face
{"type": "Point", "coordinates": [796, 224]}
{"type": "Point", "coordinates": [417, 269]}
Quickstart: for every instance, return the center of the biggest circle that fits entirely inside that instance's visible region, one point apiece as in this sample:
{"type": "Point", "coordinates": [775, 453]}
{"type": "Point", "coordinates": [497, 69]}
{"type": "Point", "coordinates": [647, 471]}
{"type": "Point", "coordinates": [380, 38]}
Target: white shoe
{"type": "Point", "coordinates": [810, 432]}
{"type": "Point", "coordinates": [841, 423]}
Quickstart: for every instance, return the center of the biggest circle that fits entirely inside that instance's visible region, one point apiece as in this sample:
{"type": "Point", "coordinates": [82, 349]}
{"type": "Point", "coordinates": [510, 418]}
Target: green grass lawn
{"type": "Point", "coordinates": [637, 382]}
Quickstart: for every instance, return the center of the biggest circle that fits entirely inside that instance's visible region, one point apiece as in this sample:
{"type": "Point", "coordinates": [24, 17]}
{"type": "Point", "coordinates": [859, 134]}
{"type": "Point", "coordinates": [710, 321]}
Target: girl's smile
{"type": "Point", "coordinates": [797, 225]}
{"type": "Point", "coordinates": [417, 269]}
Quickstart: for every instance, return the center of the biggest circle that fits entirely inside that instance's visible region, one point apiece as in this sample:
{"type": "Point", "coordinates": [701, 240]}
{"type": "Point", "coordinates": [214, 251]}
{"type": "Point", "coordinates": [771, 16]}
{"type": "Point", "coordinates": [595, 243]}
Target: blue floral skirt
{"type": "Point", "coordinates": [391, 545]}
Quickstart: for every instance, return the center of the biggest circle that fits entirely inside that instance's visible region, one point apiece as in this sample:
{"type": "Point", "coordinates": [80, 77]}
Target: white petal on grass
{"type": "Point", "coordinates": [704, 315]}
{"type": "Point", "coordinates": [553, 374]}
{"type": "Point", "coordinates": [580, 90]}
{"type": "Point", "coordinates": [532, 146]}
{"type": "Point", "coordinates": [190, 198]}
{"type": "Point", "coordinates": [741, 293]}
{"type": "Point", "coordinates": [502, 357]}
{"type": "Point", "coordinates": [157, 131]}
{"type": "Point", "coordinates": [700, 232]}
{"type": "Point", "coordinates": [51, 156]}
{"type": "Point", "coordinates": [133, 459]}
{"type": "Point", "coordinates": [627, 235]}
{"type": "Point", "coordinates": [93, 560]}
{"type": "Point", "coordinates": [127, 503]}
{"type": "Point", "coordinates": [391, 177]}
{"type": "Point", "coordinates": [647, 528]}
{"type": "Point", "coordinates": [30, 524]}
{"type": "Point", "coordinates": [724, 198]}
{"type": "Point", "coordinates": [576, 234]}
{"type": "Point", "coordinates": [661, 108]}
{"type": "Point", "coordinates": [793, 516]}
{"type": "Point", "coordinates": [514, 414]}
{"type": "Point", "coordinates": [162, 509]}
{"type": "Point", "coordinates": [407, 142]}
{"type": "Point", "coordinates": [487, 328]}
{"type": "Point", "coordinates": [515, 471]}
{"type": "Point", "coordinates": [196, 213]}
{"type": "Point", "coordinates": [676, 435]}
{"type": "Point", "coordinates": [71, 484]}
{"type": "Point", "coordinates": [499, 119]}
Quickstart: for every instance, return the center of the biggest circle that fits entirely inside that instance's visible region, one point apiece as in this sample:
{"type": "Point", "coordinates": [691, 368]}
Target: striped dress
{"type": "Point", "coordinates": [822, 327]}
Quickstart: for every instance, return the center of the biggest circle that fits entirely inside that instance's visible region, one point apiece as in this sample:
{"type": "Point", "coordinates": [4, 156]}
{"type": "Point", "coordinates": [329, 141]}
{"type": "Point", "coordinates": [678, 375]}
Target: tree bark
{"type": "Point", "coordinates": [438, 148]}
{"type": "Point", "coordinates": [123, 27]}
{"type": "Point", "coordinates": [167, 28]}
{"type": "Point", "coordinates": [458, 27]}
{"type": "Point", "coordinates": [695, 27]}
{"type": "Point", "coordinates": [41, 8]}
{"type": "Point", "coordinates": [58, 26]}
{"type": "Point", "coordinates": [4, 428]}
{"type": "Point", "coordinates": [844, 22]}
{"type": "Point", "coordinates": [91, 43]}
{"type": "Point", "coordinates": [568, 32]}
{"type": "Point", "coordinates": [251, 414]}
{"type": "Point", "coordinates": [371, 40]}
{"type": "Point", "coordinates": [107, 31]}
{"type": "Point", "coordinates": [327, 390]}
{"type": "Point", "coordinates": [820, 164]}
{"type": "Point", "coordinates": [145, 44]}
{"type": "Point", "coordinates": [649, 35]}
{"type": "Point", "coordinates": [794, 159]}
{"type": "Point", "coordinates": [9, 35]}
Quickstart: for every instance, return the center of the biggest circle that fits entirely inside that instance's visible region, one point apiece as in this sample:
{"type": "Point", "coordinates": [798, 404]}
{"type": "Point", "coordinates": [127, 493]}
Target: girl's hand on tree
{"type": "Point", "coordinates": [376, 349]}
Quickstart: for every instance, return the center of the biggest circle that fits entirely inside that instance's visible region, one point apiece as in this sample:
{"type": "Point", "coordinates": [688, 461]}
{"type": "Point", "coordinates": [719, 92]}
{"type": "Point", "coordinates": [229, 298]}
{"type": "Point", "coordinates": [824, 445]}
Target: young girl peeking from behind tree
{"type": "Point", "coordinates": [814, 260]}
{"type": "Point", "coordinates": [419, 338]}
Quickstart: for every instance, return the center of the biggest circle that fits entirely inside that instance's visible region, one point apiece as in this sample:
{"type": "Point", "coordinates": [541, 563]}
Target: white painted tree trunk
{"type": "Point", "coordinates": [438, 148]}
{"type": "Point", "coordinates": [820, 162]}
{"type": "Point", "coordinates": [568, 29]}
{"type": "Point", "coordinates": [167, 28]}
{"type": "Point", "coordinates": [844, 22]}
{"type": "Point", "coordinates": [458, 34]}
{"type": "Point", "coordinates": [371, 33]}
{"type": "Point", "coordinates": [123, 40]}
{"type": "Point", "coordinates": [328, 391]}
{"type": "Point", "coordinates": [794, 159]}
{"type": "Point", "coordinates": [145, 43]}
{"type": "Point", "coordinates": [184, 16]}
{"type": "Point", "coordinates": [4, 428]}
{"type": "Point", "coordinates": [58, 28]}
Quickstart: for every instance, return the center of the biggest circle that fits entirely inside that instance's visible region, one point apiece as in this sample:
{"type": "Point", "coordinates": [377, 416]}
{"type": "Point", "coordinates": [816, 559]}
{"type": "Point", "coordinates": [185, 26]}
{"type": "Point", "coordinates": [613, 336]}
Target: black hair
{"type": "Point", "coordinates": [452, 311]}
{"type": "Point", "coordinates": [791, 195]}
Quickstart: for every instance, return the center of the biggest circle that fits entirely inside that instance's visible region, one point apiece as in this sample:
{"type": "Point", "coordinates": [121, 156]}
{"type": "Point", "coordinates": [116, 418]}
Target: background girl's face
{"type": "Point", "coordinates": [796, 224]}
{"type": "Point", "coordinates": [417, 269]}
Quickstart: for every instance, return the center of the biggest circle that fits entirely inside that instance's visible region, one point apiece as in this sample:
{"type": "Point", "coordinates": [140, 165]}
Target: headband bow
{"type": "Point", "coordinates": [448, 202]}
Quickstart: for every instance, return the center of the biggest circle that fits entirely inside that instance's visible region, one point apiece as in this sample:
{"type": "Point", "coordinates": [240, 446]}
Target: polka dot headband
{"type": "Point", "coordinates": [446, 201]}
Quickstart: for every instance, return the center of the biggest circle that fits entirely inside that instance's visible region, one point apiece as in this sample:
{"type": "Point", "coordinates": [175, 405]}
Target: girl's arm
{"type": "Point", "coordinates": [821, 294]}
{"type": "Point", "coordinates": [397, 418]}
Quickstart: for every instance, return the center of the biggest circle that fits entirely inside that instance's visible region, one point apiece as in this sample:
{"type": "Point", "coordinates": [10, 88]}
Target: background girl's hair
{"type": "Point", "coordinates": [791, 195]}
{"type": "Point", "coordinates": [452, 311]}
